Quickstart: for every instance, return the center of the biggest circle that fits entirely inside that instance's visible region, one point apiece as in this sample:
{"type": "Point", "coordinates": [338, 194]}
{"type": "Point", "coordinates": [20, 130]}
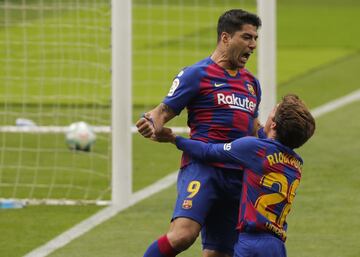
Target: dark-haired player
{"type": "Point", "coordinates": [222, 100]}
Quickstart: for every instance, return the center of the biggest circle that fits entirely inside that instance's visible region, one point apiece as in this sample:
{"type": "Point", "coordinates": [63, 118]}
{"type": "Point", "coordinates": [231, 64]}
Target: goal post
{"type": "Point", "coordinates": [267, 56]}
{"type": "Point", "coordinates": [121, 102]}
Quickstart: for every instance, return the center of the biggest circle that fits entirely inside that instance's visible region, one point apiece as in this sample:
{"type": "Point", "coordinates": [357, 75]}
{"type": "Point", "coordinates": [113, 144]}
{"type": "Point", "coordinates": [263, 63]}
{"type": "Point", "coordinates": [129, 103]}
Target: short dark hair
{"type": "Point", "coordinates": [294, 122]}
{"type": "Point", "coordinates": [233, 20]}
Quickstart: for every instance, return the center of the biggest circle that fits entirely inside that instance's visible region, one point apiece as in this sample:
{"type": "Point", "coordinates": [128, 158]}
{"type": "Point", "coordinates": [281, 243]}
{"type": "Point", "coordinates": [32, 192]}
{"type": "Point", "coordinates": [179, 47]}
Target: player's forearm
{"type": "Point", "coordinates": [152, 122]}
{"type": "Point", "coordinates": [194, 148]}
{"type": "Point", "coordinates": [202, 151]}
{"type": "Point", "coordinates": [161, 115]}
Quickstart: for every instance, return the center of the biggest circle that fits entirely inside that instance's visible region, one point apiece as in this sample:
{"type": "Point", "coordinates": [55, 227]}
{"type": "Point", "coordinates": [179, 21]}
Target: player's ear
{"type": "Point", "coordinates": [273, 125]}
{"type": "Point", "coordinates": [225, 37]}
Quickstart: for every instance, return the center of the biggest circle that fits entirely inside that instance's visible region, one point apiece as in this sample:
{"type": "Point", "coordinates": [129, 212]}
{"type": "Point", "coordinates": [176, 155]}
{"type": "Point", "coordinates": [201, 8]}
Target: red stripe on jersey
{"type": "Point", "coordinates": [261, 153]}
{"type": "Point", "coordinates": [218, 133]}
{"type": "Point", "coordinates": [241, 121]}
{"type": "Point", "coordinates": [215, 70]}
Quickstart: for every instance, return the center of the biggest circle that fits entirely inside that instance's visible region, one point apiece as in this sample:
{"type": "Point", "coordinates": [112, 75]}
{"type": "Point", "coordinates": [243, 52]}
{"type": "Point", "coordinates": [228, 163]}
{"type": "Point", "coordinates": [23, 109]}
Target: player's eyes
{"type": "Point", "coordinates": [247, 38]}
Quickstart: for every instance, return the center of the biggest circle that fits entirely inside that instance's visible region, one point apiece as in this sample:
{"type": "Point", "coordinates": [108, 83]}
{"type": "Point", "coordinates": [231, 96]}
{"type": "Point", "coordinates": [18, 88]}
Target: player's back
{"type": "Point", "coordinates": [269, 185]}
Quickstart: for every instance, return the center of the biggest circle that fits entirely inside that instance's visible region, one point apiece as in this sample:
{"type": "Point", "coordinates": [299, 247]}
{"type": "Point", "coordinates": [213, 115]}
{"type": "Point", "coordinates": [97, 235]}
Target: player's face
{"type": "Point", "coordinates": [270, 124]}
{"type": "Point", "coordinates": [241, 45]}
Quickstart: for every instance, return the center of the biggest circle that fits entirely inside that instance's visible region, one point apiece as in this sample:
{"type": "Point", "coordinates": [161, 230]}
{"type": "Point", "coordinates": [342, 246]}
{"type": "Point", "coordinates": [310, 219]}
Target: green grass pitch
{"type": "Point", "coordinates": [318, 58]}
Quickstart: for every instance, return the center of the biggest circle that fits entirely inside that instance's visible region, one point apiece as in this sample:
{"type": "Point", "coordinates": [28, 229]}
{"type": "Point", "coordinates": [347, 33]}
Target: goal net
{"type": "Point", "coordinates": [55, 63]}
{"type": "Point", "coordinates": [56, 70]}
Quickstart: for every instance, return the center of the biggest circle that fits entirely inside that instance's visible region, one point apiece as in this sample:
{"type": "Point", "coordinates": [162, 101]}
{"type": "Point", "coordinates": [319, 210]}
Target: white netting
{"type": "Point", "coordinates": [55, 63]}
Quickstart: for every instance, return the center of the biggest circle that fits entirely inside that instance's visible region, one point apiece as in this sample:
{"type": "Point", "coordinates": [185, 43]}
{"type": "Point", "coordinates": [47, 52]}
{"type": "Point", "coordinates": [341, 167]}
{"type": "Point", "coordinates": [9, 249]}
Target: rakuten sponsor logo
{"type": "Point", "coordinates": [236, 102]}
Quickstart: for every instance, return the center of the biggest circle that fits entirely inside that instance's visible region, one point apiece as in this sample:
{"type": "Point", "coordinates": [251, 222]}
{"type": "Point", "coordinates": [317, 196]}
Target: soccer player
{"type": "Point", "coordinates": [272, 172]}
{"type": "Point", "coordinates": [222, 100]}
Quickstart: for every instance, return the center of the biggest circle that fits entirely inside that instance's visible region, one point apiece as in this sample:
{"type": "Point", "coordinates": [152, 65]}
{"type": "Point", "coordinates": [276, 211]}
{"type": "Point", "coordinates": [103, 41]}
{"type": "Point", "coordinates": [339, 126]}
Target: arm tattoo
{"type": "Point", "coordinates": [166, 112]}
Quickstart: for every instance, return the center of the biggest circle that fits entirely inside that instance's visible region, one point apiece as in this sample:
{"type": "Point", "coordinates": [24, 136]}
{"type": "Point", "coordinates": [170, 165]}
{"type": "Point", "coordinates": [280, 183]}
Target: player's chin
{"type": "Point", "coordinates": [241, 65]}
{"type": "Point", "coordinates": [236, 65]}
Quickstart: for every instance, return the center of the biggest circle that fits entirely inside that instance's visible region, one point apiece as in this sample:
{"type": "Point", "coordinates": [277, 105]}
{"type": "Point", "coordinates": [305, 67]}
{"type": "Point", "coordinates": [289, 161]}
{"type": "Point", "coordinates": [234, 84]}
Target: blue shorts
{"type": "Point", "coordinates": [259, 245]}
{"type": "Point", "coordinates": [210, 196]}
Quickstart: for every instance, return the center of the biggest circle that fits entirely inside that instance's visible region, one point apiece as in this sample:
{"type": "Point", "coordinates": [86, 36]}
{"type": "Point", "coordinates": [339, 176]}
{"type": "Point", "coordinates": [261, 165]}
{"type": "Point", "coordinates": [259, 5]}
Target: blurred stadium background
{"type": "Point", "coordinates": [55, 69]}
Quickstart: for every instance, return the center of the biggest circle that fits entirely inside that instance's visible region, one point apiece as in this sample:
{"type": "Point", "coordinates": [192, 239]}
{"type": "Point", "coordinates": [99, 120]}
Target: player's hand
{"type": "Point", "coordinates": [165, 135]}
{"type": "Point", "coordinates": [145, 126]}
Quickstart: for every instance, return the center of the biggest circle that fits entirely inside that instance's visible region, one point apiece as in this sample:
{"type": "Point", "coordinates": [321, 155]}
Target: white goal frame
{"type": "Point", "coordinates": [121, 184]}
{"type": "Point", "coordinates": [266, 61]}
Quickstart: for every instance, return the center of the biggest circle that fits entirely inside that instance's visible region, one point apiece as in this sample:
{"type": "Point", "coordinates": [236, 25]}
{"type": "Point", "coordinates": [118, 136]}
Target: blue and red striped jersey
{"type": "Point", "coordinates": [272, 173]}
{"type": "Point", "coordinates": [221, 106]}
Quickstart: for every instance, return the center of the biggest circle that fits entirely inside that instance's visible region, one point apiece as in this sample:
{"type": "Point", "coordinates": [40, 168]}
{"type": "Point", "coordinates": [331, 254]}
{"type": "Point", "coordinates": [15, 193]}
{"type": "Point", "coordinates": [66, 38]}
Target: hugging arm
{"type": "Point", "coordinates": [206, 151]}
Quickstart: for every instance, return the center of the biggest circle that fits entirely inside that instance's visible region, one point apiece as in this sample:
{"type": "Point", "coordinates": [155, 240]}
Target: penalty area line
{"type": "Point", "coordinates": [156, 187]}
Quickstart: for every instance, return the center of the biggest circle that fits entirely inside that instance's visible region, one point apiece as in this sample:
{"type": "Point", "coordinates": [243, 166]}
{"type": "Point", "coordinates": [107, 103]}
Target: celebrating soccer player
{"type": "Point", "coordinates": [222, 100]}
{"type": "Point", "coordinates": [272, 172]}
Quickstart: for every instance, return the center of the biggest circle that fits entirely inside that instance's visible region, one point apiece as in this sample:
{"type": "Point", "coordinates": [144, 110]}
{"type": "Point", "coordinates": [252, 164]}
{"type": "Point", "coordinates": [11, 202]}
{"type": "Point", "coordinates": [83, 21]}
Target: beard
{"type": "Point", "coordinates": [235, 60]}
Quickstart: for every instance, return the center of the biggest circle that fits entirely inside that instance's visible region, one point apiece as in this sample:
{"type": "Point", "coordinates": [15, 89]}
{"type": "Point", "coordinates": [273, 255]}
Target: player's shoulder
{"type": "Point", "coordinates": [195, 70]}
{"type": "Point", "coordinates": [247, 141]}
{"type": "Point", "coordinates": [275, 145]}
{"type": "Point", "coordinates": [255, 142]}
{"type": "Point", "coordinates": [203, 63]}
{"type": "Point", "coordinates": [289, 151]}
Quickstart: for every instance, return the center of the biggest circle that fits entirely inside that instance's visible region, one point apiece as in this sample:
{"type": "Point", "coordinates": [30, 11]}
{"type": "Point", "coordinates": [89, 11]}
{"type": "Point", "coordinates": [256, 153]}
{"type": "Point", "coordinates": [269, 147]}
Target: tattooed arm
{"type": "Point", "coordinates": [153, 121]}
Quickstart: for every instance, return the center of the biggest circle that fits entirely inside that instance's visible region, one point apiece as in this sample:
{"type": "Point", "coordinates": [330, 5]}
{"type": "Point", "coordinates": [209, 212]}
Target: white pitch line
{"type": "Point", "coordinates": [156, 187]}
{"type": "Point", "coordinates": [100, 217]}
{"type": "Point", "coordinates": [75, 232]}
{"type": "Point", "coordinates": [337, 103]}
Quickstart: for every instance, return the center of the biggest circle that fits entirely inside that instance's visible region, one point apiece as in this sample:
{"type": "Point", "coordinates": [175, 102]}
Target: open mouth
{"type": "Point", "coordinates": [245, 57]}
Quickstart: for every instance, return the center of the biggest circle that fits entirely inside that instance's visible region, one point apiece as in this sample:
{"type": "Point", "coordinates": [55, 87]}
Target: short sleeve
{"type": "Point", "coordinates": [185, 86]}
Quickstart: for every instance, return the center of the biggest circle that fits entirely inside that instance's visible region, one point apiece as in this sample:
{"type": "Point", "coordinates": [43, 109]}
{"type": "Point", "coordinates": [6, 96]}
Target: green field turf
{"type": "Point", "coordinates": [318, 58]}
{"type": "Point", "coordinates": [34, 225]}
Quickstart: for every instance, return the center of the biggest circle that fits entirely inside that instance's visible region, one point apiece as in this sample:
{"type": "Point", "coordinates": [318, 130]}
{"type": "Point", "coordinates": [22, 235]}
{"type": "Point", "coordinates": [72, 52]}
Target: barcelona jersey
{"type": "Point", "coordinates": [221, 106]}
{"type": "Point", "coordinates": [272, 173]}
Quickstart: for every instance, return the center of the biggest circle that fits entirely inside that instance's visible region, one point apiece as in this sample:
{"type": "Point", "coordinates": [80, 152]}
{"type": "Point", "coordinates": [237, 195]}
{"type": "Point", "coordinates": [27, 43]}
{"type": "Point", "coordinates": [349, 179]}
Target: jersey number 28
{"type": "Point", "coordinates": [285, 193]}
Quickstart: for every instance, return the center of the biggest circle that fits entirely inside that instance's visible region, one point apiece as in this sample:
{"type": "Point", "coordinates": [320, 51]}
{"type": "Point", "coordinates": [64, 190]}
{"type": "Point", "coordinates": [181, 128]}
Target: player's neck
{"type": "Point", "coordinates": [271, 134]}
{"type": "Point", "coordinates": [220, 58]}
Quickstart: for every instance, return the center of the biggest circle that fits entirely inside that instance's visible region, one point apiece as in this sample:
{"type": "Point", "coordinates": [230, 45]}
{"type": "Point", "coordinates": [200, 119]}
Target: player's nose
{"type": "Point", "coordinates": [252, 44]}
